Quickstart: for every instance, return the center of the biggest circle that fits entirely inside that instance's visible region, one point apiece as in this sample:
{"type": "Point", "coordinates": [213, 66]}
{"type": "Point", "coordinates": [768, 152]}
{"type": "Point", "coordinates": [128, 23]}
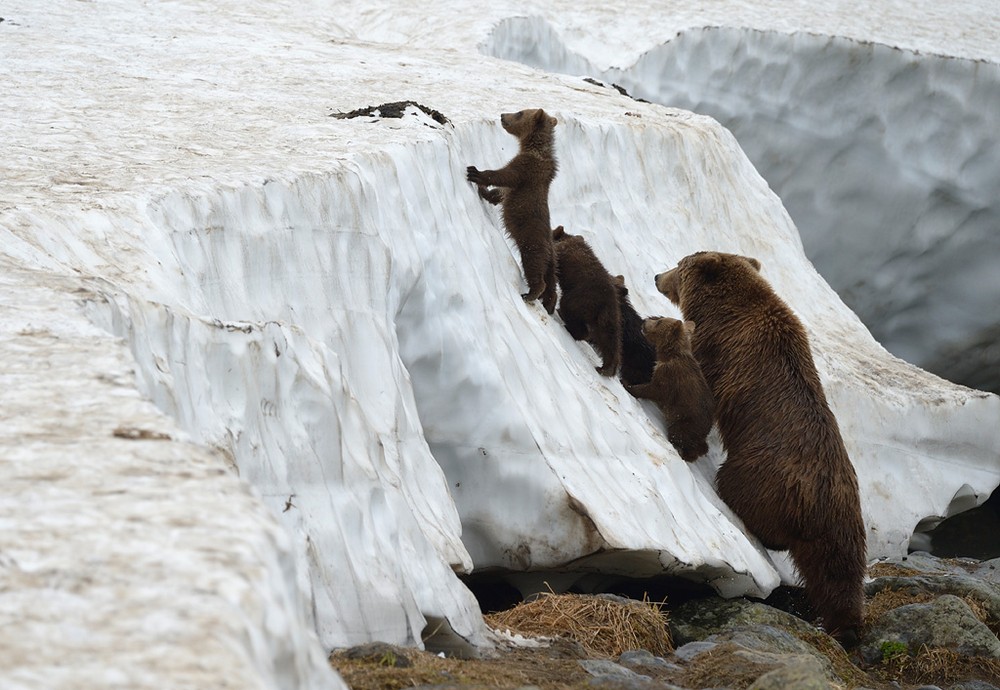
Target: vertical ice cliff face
{"type": "Point", "coordinates": [347, 337]}
{"type": "Point", "coordinates": [279, 347]}
{"type": "Point", "coordinates": [886, 159]}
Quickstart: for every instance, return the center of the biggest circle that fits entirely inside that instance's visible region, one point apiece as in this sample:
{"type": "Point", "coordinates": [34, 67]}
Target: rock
{"type": "Point", "coordinates": [988, 570]}
{"type": "Point", "coordinates": [608, 672]}
{"type": "Point", "coordinates": [804, 673]}
{"type": "Point", "coordinates": [693, 649]}
{"type": "Point", "coordinates": [639, 659]}
{"type": "Point", "coordinates": [973, 685]}
{"type": "Point", "coordinates": [947, 622]}
{"type": "Point", "coordinates": [765, 638]}
{"type": "Point", "coordinates": [380, 653]}
{"type": "Point", "coordinates": [699, 618]}
{"type": "Point", "coordinates": [731, 665]}
{"type": "Point", "coordinates": [978, 581]}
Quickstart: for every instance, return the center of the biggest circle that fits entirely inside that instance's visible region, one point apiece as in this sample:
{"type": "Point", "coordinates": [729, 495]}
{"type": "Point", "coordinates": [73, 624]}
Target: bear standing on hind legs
{"type": "Point", "coordinates": [787, 474]}
{"type": "Point", "coordinates": [589, 306]}
{"type": "Point", "coordinates": [638, 355]}
{"type": "Point", "coordinates": [522, 188]}
{"type": "Point", "coordinates": [678, 387]}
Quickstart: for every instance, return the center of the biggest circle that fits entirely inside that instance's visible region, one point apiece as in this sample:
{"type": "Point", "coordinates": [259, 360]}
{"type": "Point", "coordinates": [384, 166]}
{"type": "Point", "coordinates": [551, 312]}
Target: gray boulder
{"type": "Point", "coordinates": [802, 673]}
{"type": "Point", "coordinates": [947, 622]}
{"type": "Point", "coordinates": [700, 618]}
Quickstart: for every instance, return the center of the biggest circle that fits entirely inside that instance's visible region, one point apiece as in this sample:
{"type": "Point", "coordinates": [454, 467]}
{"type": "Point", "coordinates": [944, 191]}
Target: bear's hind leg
{"type": "Point", "coordinates": [533, 263]}
{"type": "Point", "coordinates": [607, 338]}
{"type": "Point", "coordinates": [833, 570]}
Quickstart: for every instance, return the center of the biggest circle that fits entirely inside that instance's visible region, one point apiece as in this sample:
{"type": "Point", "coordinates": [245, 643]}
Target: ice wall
{"type": "Point", "coordinates": [347, 337]}
{"type": "Point", "coordinates": [886, 159]}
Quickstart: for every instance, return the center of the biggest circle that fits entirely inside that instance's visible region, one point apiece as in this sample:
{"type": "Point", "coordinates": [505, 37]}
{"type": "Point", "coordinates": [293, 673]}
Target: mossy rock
{"type": "Point", "coordinates": [697, 619]}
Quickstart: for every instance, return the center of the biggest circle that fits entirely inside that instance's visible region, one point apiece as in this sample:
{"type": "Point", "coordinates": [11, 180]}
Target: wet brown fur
{"type": "Point", "coordinates": [678, 387]}
{"type": "Point", "coordinates": [589, 306]}
{"type": "Point", "coordinates": [787, 474]}
{"type": "Point", "coordinates": [638, 355]}
{"type": "Point", "coordinates": [522, 188]}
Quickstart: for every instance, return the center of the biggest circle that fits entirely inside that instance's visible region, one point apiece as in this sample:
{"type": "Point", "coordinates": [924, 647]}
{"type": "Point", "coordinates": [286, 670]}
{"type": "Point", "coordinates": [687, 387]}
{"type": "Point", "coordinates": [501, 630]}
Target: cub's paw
{"type": "Point", "coordinates": [474, 175]}
{"type": "Point", "coordinates": [491, 195]}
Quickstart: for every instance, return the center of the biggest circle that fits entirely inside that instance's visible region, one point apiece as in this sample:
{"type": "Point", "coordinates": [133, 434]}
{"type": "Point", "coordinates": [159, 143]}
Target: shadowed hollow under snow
{"type": "Point", "coordinates": [326, 307]}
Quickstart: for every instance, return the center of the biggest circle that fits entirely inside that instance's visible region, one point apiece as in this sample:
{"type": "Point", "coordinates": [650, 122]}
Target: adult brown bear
{"type": "Point", "coordinates": [678, 387]}
{"type": "Point", "coordinates": [522, 189]}
{"type": "Point", "coordinates": [787, 474]}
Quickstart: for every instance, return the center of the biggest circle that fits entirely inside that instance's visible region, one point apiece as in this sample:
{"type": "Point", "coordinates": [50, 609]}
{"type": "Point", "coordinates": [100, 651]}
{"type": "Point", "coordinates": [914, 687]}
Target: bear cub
{"type": "Point", "coordinates": [522, 189]}
{"type": "Point", "coordinates": [589, 306]}
{"type": "Point", "coordinates": [638, 355]}
{"type": "Point", "coordinates": [678, 387]}
{"type": "Point", "coordinates": [787, 474]}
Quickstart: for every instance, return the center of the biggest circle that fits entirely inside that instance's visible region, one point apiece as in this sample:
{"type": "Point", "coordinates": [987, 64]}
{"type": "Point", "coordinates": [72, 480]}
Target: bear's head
{"type": "Point", "coordinates": [670, 337]}
{"type": "Point", "coordinates": [525, 123]}
{"type": "Point", "coordinates": [700, 271]}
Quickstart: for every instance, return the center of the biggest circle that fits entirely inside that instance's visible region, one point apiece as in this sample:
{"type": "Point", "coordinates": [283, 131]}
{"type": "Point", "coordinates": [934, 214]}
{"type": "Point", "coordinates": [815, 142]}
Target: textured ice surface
{"type": "Point", "coordinates": [886, 158]}
{"type": "Point", "coordinates": [131, 558]}
{"type": "Point", "coordinates": [328, 306]}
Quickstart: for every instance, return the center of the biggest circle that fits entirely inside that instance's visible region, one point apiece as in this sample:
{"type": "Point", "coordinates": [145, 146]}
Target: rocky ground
{"type": "Point", "coordinates": [930, 623]}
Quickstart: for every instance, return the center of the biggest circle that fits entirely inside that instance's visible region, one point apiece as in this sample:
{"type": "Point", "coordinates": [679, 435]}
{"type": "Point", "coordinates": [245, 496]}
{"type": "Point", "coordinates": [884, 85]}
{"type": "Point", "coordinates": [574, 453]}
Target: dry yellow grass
{"type": "Point", "coordinates": [940, 667]}
{"type": "Point", "coordinates": [603, 627]}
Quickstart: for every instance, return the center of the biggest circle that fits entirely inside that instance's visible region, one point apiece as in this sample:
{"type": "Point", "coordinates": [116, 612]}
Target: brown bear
{"type": "Point", "coordinates": [522, 188]}
{"type": "Point", "coordinates": [638, 355]}
{"type": "Point", "coordinates": [678, 387]}
{"type": "Point", "coordinates": [787, 474]}
{"type": "Point", "coordinates": [589, 306]}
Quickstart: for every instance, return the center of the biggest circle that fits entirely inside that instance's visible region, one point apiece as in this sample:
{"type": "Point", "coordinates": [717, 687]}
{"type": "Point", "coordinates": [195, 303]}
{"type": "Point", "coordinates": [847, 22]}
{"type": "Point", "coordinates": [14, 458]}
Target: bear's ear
{"type": "Point", "coordinates": [552, 121]}
{"type": "Point", "coordinates": [558, 232]}
{"type": "Point", "coordinates": [753, 262]}
{"type": "Point", "coordinates": [689, 327]}
{"type": "Point", "coordinates": [709, 264]}
{"type": "Point", "coordinates": [618, 280]}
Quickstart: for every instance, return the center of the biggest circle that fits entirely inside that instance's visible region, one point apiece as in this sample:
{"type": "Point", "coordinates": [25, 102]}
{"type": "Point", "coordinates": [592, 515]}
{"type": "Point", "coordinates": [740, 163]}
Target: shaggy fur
{"type": "Point", "coordinates": [787, 474]}
{"type": "Point", "coordinates": [522, 188]}
{"type": "Point", "coordinates": [589, 306]}
{"type": "Point", "coordinates": [638, 355]}
{"type": "Point", "coordinates": [678, 387]}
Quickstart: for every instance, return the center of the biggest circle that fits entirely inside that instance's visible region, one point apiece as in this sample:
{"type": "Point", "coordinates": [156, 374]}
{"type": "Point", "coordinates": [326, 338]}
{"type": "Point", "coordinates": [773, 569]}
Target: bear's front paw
{"type": "Point", "coordinates": [491, 195]}
{"type": "Point", "coordinates": [474, 175]}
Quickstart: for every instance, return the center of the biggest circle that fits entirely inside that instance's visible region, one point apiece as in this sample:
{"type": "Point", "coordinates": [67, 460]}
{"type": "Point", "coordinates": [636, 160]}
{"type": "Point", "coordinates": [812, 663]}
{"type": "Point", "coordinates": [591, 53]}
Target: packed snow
{"type": "Point", "coordinates": [326, 309]}
{"type": "Point", "coordinates": [886, 158]}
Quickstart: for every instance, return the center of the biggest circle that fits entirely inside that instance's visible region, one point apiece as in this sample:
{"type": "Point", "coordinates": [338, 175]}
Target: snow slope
{"type": "Point", "coordinates": [886, 158]}
{"type": "Point", "coordinates": [326, 306]}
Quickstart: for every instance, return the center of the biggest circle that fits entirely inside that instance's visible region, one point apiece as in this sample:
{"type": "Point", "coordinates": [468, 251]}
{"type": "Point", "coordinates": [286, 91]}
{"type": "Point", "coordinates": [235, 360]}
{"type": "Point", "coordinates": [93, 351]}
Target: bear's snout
{"type": "Point", "coordinates": [667, 284]}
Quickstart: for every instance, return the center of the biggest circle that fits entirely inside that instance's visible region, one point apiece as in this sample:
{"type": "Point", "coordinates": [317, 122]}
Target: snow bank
{"type": "Point", "coordinates": [327, 304]}
{"type": "Point", "coordinates": [886, 158]}
{"type": "Point", "coordinates": [131, 557]}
